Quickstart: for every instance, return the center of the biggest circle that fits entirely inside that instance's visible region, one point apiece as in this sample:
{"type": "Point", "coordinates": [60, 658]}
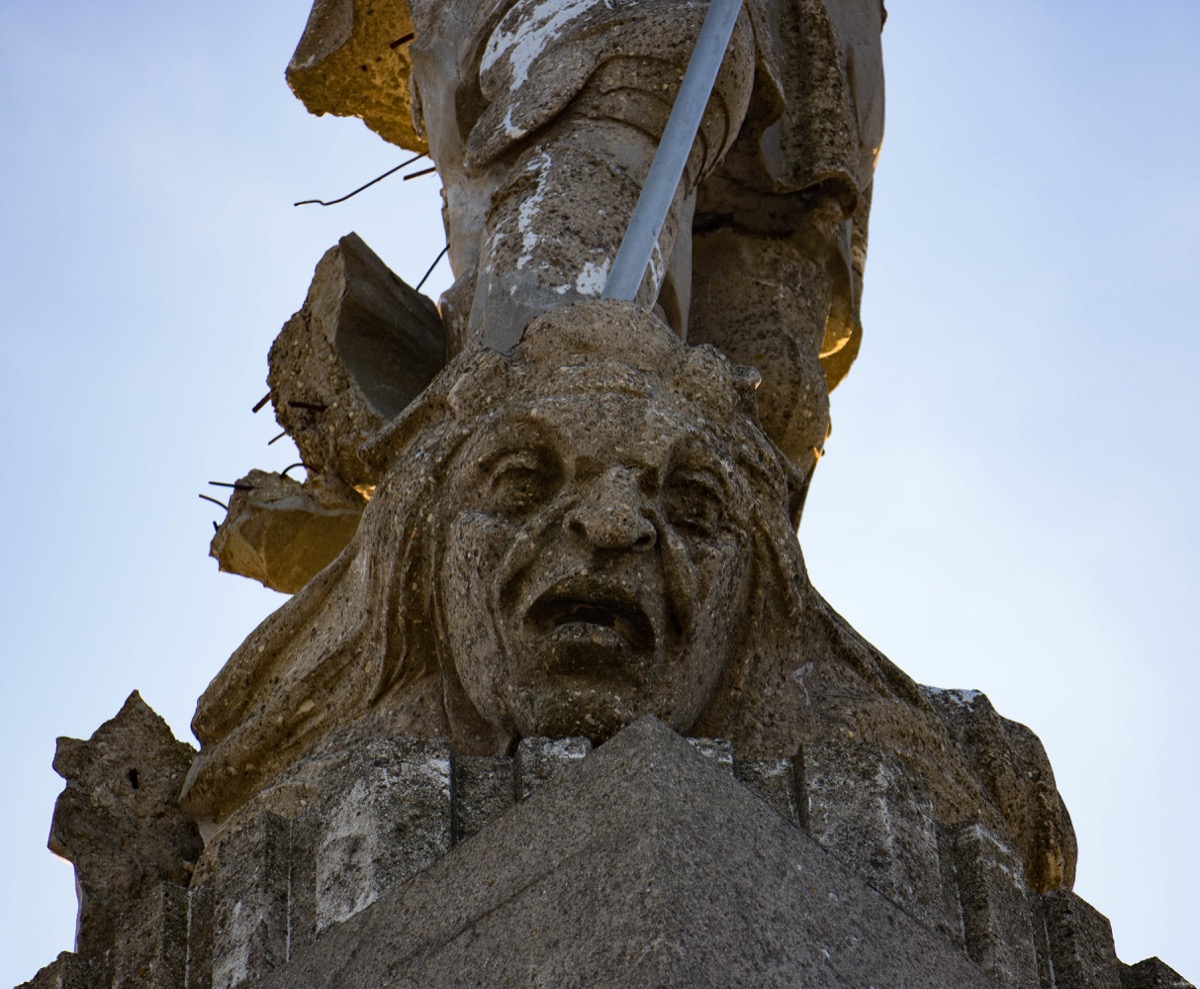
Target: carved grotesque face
{"type": "Point", "coordinates": [596, 566]}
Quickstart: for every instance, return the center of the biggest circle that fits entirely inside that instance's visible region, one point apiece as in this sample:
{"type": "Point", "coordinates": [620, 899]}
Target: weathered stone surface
{"type": "Point", "coordinates": [539, 760]}
{"type": "Point", "coordinates": [119, 822]}
{"type": "Point", "coordinates": [391, 820]}
{"type": "Point", "coordinates": [611, 540]}
{"type": "Point", "coordinates": [368, 821]}
{"type": "Point", "coordinates": [719, 750]}
{"type": "Point", "coordinates": [201, 904]}
{"type": "Point", "coordinates": [607, 875]}
{"type": "Point", "coordinates": [858, 802]}
{"type": "Point", "coordinates": [542, 119]}
{"type": "Point", "coordinates": [1015, 772]}
{"type": "Point", "coordinates": [250, 902]}
{"type": "Point", "coordinates": [483, 789]}
{"type": "Point", "coordinates": [151, 952]}
{"type": "Point", "coordinates": [349, 63]}
{"type": "Point", "coordinates": [304, 907]}
{"type": "Point", "coordinates": [993, 895]}
{"type": "Point", "coordinates": [1151, 973]}
{"type": "Point", "coordinates": [67, 971]}
{"type": "Point", "coordinates": [360, 349]}
{"type": "Point", "coordinates": [1079, 944]}
{"type": "Point", "coordinates": [283, 533]}
{"type": "Point", "coordinates": [581, 524]}
{"type": "Point", "coordinates": [773, 780]}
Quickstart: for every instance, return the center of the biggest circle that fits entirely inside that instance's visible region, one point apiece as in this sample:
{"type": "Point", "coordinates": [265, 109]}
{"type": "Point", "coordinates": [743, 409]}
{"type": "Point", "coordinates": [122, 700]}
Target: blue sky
{"type": "Point", "coordinates": [1009, 498]}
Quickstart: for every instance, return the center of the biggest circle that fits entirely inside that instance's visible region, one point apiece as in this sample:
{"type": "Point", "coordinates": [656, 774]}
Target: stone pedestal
{"type": "Point", "coordinates": [645, 864]}
{"type": "Point", "coordinates": [655, 860]}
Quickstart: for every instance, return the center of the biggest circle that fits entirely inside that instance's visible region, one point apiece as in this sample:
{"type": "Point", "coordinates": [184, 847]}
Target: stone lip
{"type": "Point", "coordinates": [646, 864]}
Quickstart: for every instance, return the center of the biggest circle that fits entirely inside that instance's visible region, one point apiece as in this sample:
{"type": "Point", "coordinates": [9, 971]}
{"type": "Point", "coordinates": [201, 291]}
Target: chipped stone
{"type": "Point", "coordinates": [362, 346]}
{"type": "Point", "coordinates": [118, 820]}
{"type": "Point", "coordinates": [283, 533]}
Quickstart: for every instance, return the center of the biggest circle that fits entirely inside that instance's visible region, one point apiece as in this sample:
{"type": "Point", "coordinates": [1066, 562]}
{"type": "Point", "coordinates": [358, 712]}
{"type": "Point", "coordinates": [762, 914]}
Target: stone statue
{"type": "Point", "coordinates": [542, 117]}
{"type": "Point", "coordinates": [583, 519]}
{"type": "Point", "coordinates": [568, 537]}
{"type": "Point", "coordinates": [573, 525]}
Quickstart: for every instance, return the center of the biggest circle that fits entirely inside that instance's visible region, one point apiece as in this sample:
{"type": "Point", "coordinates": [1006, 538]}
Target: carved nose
{"type": "Point", "coordinates": [609, 515]}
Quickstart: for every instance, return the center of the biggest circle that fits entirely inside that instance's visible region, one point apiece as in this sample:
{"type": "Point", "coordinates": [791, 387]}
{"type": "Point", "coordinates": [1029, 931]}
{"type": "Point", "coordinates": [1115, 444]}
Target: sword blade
{"type": "Point", "coordinates": [666, 169]}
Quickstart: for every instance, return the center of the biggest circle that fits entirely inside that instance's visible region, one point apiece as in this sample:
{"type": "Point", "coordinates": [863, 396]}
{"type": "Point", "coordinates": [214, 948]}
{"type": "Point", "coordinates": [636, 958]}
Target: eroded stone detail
{"type": "Point", "coordinates": [581, 530]}
{"type": "Point", "coordinates": [542, 117]}
{"type": "Point", "coordinates": [612, 539]}
{"type": "Point", "coordinates": [994, 900]}
{"type": "Point", "coordinates": [257, 900]}
{"type": "Point", "coordinates": [539, 760]}
{"type": "Point", "coordinates": [119, 823]}
{"type": "Point", "coordinates": [282, 532]}
{"type": "Point", "coordinates": [1014, 770]}
{"type": "Point", "coordinates": [1081, 954]}
{"type": "Point", "coordinates": [361, 347]}
{"type": "Point", "coordinates": [352, 61]}
{"type": "Point", "coordinates": [1152, 973]}
{"type": "Point", "coordinates": [858, 802]}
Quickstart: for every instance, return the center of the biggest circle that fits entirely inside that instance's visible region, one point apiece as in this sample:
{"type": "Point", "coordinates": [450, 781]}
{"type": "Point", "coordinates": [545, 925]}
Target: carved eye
{"type": "Point", "coordinates": [517, 482]}
{"type": "Point", "coordinates": [694, 503]}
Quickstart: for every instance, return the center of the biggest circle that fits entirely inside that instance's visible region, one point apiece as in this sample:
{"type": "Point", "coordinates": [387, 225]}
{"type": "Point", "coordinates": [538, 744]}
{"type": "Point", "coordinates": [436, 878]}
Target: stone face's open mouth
{"type": "Point", "coordinates": [571, 612]}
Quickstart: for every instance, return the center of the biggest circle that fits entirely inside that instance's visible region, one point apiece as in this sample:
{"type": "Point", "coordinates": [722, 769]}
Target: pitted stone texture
{"type": "Point", "coordinates": [370, 815]}
{"type": "Point", "coordinates": [719, 750]}
{"type": "Point", "coordinates": [151, 952]}
{"type": "Point", "coordinates": [391, 820]}
{"type": "Point", "coordinates": [304, 907]}
{"type": "Point", "coordinates": [250, 902]}
{"type": "Point", "coordinates": [774, 781]}
{"type": "Point", "coordinates": [283, 533]}
{"type": "Point", "coordinates": [994, 898]}
{"type": "Point", "coordinates": [607, 875]}
{"type": "Point", "coordinates": [590, 529]}
{"type": "Point", "coordinates": [1151, 973]}
{"type": "Point", "coordinates": [67, 971]}
{"type": "Point", "coordinates": [483, 788]}
{"type": "Point", "coordinates": [119, 822]}
{"type": "Point", "coordinates": [363, 814]}
{"type": "Point", "coordinates": [1079, 943]}
{"type": "Point", "coordinates": [360, 349]}
{"type": "Point", "coordinates": [201, 902]}
{"type": "Point", "coordinates": [1013, 768]}
{"type": "Point", "coordinates": [353, 61]}
{"type": "Point", "coordinates": [542, 119]}
{"type": "Point", "coordinates": [539, 760]}
{"type": "Point", "coordinates": [765, 302]}
{"type": "Point", "coordinates": [857, 801]}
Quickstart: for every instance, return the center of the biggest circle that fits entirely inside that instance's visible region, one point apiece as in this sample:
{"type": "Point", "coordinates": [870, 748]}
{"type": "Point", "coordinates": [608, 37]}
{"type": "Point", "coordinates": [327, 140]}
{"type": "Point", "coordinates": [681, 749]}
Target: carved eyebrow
{"type": "Point", "coordinates": [519, 453]}
{"type": "Point", "coordinates": [517, 433]}
{"type": "Point", "coordinates": [691, 459]}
